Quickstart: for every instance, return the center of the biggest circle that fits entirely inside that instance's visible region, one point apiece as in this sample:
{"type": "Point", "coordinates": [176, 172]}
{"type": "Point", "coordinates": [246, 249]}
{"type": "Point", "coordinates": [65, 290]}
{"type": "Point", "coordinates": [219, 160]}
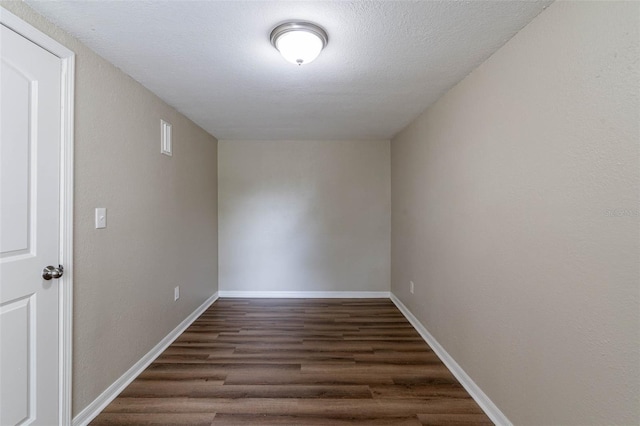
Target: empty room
{"type": "Point", "coordinates": [319, 212]}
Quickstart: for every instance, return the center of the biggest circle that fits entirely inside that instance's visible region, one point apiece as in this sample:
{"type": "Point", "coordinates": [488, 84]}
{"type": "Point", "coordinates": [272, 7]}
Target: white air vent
{"type": "Point", "coordinates": [165, 131]}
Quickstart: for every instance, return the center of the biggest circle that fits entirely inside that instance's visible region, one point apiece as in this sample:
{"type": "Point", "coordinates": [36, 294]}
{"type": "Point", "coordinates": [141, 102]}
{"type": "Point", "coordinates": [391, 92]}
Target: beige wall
{"type": "Point", "coordinates": [304, 216]}
{"type": "Point", "coordinates": [162, 219]}
{"type": "Point", "coordinates": [515, 212]}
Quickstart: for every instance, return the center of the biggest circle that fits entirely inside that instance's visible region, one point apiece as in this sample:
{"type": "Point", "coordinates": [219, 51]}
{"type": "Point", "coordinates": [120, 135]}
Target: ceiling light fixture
{"type": "Point", "coordinates": [299, 42]}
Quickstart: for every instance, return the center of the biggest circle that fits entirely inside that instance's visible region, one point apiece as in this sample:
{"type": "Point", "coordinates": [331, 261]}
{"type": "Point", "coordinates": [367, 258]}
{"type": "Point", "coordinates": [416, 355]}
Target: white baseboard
{"type": "Point", "coordinates": [308, 294]}
{"type": "Point", "coordinates": [490, 409]}
{"type": "Point", "coordinates": [92, 410]}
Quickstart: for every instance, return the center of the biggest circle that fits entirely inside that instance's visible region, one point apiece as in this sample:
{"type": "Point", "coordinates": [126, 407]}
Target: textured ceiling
{"type": "Point", "coordinates": [385, 63]}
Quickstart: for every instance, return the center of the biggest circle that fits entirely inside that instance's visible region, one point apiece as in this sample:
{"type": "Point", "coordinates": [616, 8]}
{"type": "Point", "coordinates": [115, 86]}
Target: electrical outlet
{"type": "Point", "coordinates": [411, 286]}
{"type": "Point", "coordinates": [176, 293]}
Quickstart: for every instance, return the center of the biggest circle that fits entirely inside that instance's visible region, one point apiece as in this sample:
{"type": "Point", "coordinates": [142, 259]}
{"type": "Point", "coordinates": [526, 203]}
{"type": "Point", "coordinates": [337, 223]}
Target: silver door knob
{"type": "Point", "coordinates": [52, 272]}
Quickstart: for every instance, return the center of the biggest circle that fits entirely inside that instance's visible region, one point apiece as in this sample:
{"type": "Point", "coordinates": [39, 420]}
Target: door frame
{"type": "Point", "coordinates": [65, 250]}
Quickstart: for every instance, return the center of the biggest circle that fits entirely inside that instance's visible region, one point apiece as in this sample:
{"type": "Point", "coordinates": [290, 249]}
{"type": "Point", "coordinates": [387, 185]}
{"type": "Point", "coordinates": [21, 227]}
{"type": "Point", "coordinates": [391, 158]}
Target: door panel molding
{"type": "Point", "coordinates": [67, 58]}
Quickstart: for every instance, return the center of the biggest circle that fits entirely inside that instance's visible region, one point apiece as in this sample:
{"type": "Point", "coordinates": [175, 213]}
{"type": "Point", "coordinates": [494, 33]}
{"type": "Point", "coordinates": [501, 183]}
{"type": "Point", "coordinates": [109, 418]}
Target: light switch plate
{"type": "Point", "coordinates": [101, 217]}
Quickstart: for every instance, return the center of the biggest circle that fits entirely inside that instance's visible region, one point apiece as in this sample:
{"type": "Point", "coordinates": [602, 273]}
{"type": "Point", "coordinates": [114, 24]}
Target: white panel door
{"type": "Point", "coordinates": [30, 135]}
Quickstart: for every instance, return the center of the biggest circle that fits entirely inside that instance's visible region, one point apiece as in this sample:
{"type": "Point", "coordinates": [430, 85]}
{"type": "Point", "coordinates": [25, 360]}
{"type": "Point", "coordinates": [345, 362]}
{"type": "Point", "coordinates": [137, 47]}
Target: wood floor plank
{"type": "Point", "coordinates": [129, 419]}
{"type": "Point", "coordinates": [296, 362]}
{"type": "Point", "coordinates": [453, 420]}
{"type": "Point", "coordinates": [293, 377]}
{"type": "Point", "coordinates": [449, 390]}
{"type": "Point", "coordinates": [402, 358]}
{"type": "Point", "coordinates": [268, 420]}
{"type": "Point", "coordinates": [284, 391]}
{"type": "Point", "coordinates": [295, 406]}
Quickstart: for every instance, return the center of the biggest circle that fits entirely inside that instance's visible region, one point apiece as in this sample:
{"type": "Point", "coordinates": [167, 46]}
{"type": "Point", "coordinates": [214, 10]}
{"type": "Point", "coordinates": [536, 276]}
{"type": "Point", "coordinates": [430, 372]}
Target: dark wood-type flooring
{"type": "Point", "coordinates": [296, 362]}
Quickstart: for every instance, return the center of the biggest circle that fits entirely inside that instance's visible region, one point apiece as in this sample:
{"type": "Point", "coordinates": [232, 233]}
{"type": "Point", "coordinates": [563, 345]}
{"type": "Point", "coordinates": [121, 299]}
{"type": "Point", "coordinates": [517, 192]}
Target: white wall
{"type": "Point", "coordinates": [304, 216]}
{"type": "Point", "coordinates": [162, 219]}
{"type": "Point", "coordinates": [515, 212]}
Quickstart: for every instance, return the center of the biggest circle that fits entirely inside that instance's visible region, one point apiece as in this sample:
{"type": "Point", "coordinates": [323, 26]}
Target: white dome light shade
{"type": "Point", "coordinates": [299, 47]}
{"type": "Point", "coordinates": [299, 42]}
